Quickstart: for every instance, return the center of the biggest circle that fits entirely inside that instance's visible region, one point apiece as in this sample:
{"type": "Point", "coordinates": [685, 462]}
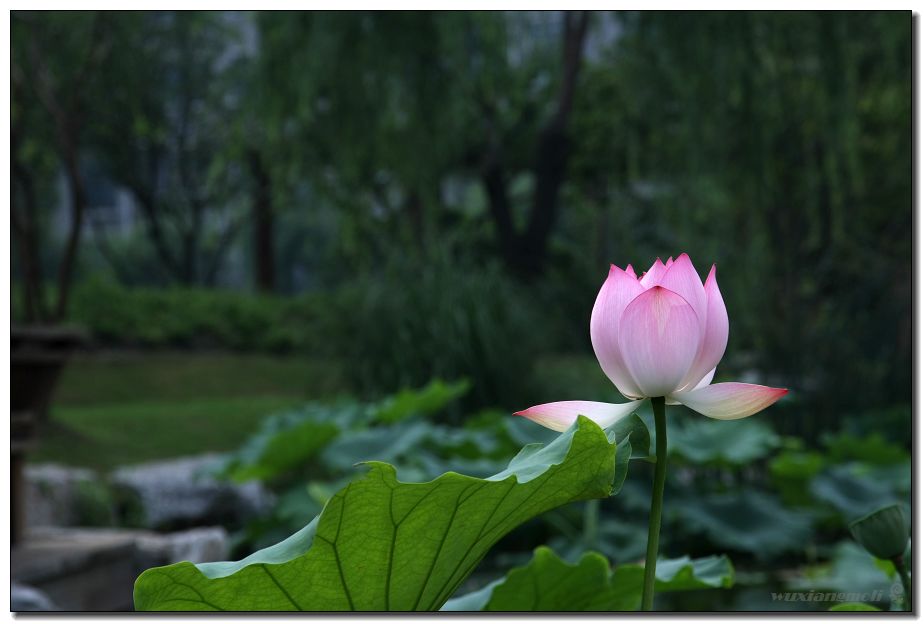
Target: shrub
{"type": "Point", "coordinates": [189, 317]}
{"type": "Point", "coordinates": [410, 323]}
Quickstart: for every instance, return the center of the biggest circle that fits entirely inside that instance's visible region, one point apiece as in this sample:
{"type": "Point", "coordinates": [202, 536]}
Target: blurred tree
{"type": "Point", "coordinates": [776, 144]}
{"type": "Point", "coordinates": [526, 251]}
{"type": "Point", "coordinates": [767, 160]}
{"type": "Point", "coordinates": [254, 142]}
{"type": "Point", "coordinates": [384, 120]}
{"type": "Point", "coordinates": [362, 114]}
{"type": "Point", "coordinates": [163, 134]}
{"type": "Point", "coordinates": [29, 160]}
{"type": "Point", "coordinates": [55, 62]}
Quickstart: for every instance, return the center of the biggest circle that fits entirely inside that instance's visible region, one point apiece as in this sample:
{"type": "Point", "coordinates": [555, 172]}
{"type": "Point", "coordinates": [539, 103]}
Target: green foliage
{"type": "Point", "coordinates": [791, 471]}
{"type": "Point", "coordinates": [548, 583]}
{"type": "Point", "coordinates": [872, 449]}
{"type": "Point", "coordinates": [381, 544]}
{"type": "Point", "coordinates": [94, 503]}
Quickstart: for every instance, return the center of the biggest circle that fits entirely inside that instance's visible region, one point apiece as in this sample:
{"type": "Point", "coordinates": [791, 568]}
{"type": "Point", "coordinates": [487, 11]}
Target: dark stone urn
{"type": "Point", "coordinates": [38, 355]}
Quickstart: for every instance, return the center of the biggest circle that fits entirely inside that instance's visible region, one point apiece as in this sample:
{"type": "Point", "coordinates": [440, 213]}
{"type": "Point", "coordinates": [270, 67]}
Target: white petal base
{"type": "Point", "coordinates": [560, 415]}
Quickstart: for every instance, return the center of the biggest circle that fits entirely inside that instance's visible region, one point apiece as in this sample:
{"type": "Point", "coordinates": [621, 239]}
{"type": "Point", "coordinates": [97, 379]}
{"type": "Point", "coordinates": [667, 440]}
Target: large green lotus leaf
{"type": "Point", "coordinates": [852, 493]}
{"type": "Point", "coordinates": [339, 432]}
{"type": "Point", "coordinates": [271, 455]}
{"type": "Point", "coordinates": [639, 435]}
{"type": "Point", "coordinates": [851, 569]}
{"type": "Point", "coordinates": [750, 521]}
{"type": "Point", "coordinates": [547, 583]}
{"type": "Point", "coordinates": [288, 440]}
{"type": "Point", "coordinates": [430, 399]}
{"type": "Point", "coordinates": [385, 444]}
{"type": "Point", "coordinates": [736, 442]}
{"type": "Point", "coordinates": [380, 544]}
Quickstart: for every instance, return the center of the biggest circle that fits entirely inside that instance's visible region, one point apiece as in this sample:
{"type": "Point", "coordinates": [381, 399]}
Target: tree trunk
{"type": "Point", "coordinates": [26, 231]}
{"type": "Point", "coordinates": [526, 252]}
{"type": "Point", "coordinates": [78, 202]}
{"type": "Point", "coordinates": [553, 151]}
{"type": "Point", "coordinates": [414, 208]}
{"type": "Point", "coordinates": [188, 272]}
{"type": "Point", "coordinates": [155, 230]}
{"type": "Point", "coordinates": [495, 184]}
{"type": "Point", "coordinates": [65, 107]}
{"type": "Point", "coordinates": [264, 248]}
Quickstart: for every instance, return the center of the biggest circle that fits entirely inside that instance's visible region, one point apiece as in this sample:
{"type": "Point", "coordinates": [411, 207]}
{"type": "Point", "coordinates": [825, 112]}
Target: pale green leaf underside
{"type": "Point", "coordinates": [854, 606]}
{"type": "Point", "coordinates": [380, 544]}
{"type": "Point", "coordinates": [547, 583]}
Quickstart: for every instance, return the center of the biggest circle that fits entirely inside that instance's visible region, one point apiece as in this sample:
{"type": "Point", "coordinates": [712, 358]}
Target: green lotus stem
{"type": "Point", "coordinates": [906, 581]}
{"type": "Point", "coordinates": [657, 499]}
{"type": "Point", "coordinates": [591, 522]}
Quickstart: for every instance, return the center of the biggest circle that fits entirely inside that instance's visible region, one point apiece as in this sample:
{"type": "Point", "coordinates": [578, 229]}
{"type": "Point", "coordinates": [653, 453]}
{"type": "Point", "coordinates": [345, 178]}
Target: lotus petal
{"type": "Point", "coordinates": [653, 275]}
{"type": "Point", "coordinates": [617, 291]}
{"type": "Point", "coordinates": [705, 381]}
{"type": "Point", "coordinates": [681, 277]}
{"type": "Point", "coordinates": [659, 338]}
{"type": "Point", "coordinates": [715, 338]}
{"type": "Point", "coordinates": [729, 401]}
{"type": "Point", "coordinates": [560, 415]}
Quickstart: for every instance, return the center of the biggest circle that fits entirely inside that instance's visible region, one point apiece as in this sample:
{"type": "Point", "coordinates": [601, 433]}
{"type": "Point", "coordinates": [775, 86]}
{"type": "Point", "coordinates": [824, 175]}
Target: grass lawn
{"type": "Point", "coordinates": [105, 378]}
{"type": "Point", "coordinates": [115, 409]}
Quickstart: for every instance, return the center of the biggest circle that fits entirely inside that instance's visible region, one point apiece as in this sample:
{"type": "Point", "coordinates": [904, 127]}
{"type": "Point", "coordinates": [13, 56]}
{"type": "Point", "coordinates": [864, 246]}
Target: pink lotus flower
{"type": "Point", "coordinates": [660, 335]}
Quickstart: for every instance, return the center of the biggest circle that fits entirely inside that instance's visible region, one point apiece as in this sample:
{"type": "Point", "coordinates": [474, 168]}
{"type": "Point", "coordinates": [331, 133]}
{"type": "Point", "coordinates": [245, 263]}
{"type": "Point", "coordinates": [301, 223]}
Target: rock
{"type": "Point", "coordinates": [81, 569]}
{"type": "Point", "coordinates": [78, 569]}
{"type": "Point", "coordinates": [180, 493]}
{"type": "Point", "coordinates": [28, 598]}
{"type": "Point", "coordinates": [195, 545]}
{"type": "Point", "coordinates": [54, 494]}
{"type": "Point", "coordinates": [165, 495]}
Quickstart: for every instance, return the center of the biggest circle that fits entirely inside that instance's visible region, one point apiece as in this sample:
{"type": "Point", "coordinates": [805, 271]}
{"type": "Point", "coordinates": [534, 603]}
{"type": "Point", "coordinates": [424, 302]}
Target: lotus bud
{"type": "Point", "coordinates": [884, 532]}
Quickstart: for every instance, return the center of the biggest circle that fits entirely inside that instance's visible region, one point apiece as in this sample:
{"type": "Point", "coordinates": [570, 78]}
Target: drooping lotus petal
{"type": "Point", "coordinates": [715, 338]}
{"type": "Point", "coordinates": [617, 291]}
{"type": "Point", "coordinates": [681, 277]}
{"type": "Point", "coordinates": [729, 401]}
{"type": "Point", "coordinates": [705, 381]}
{"type": "Point", "coordinates": [631, 272]}
{"type": "Point", "coordinates": [653, 276]}
{"type": "Point", "coordinates": [559, 416]}
{"type": "Point", "coordinates": [659, 338]}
